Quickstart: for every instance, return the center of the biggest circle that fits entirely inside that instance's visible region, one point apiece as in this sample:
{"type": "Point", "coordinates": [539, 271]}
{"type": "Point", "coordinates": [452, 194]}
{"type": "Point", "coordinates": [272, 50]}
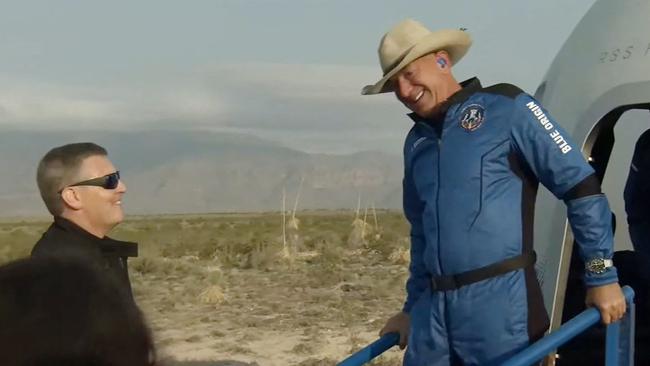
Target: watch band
{"type": "Point", "coordinates": [608, 263]}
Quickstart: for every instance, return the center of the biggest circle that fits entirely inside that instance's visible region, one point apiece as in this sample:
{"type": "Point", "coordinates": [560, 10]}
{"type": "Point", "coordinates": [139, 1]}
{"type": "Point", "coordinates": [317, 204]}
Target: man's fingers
{"type": "Point", "coordinates": [382, 332]}
{"type": "Point", "coordinates": [398, 323]}
{"type": "Point", "coordinates": [403, 340]}
{"type": "Point", "coordinates": [617, 314]}
{"type": "Point", "coordinates": [606, 318]}
{"type": "Point", "coordinates": [611, 314]}
{"type": "Point", "coordinates": [609, 301]}
{"type": "Point", "coordinates": [621, 311]}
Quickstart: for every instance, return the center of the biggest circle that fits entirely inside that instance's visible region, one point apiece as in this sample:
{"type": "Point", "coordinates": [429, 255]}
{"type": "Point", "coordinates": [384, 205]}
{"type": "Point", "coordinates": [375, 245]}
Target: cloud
{"type": "Point", "coordinates": [310, 103]}
{"type": "Point", "coordinates": [314, 97]}
{"type": "Point", "coordinates": [121, 105]}
{"type": "Point", "coordinates": [301, 80]}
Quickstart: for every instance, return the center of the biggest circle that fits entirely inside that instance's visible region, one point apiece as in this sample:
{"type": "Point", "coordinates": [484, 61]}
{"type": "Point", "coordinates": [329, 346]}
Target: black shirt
{"type": "Point", "coordinates": [65, 239]}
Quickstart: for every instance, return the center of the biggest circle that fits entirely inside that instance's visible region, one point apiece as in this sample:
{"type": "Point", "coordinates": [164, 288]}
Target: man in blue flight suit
{"type": "Point", "coordinates": [472, 163]}
{"type": "Point", "coordinates": [637, 196]}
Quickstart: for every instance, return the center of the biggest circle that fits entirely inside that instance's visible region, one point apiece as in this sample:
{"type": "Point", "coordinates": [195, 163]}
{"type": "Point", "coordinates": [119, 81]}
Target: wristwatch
{"type": "Point", "coordinates": [599, 265]}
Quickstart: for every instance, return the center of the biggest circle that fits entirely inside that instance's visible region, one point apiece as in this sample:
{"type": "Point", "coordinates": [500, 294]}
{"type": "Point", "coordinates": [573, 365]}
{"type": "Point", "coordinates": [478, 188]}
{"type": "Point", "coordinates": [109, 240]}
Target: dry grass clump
{"type": "Point", "coordinates": [166, 267]}
{"type": "Point", "coordinates": [330, 255]}
{"type": "Point", "coordinates": [387, 243]}
{"type": "Point", "coordinates": [304, 348]}
{"type": "Point", "coordinates": [264, 256]}
{"type": "Point", "coordinates": [359, 234]}
{"type": "Point", "coordinates": [213, 295]}
{"type": "Point", "coordinates": [400, 255]}
{"type": "Point", "coordinates": [322, 238]}
{"type": "Point", "coordinates": [145, 265]}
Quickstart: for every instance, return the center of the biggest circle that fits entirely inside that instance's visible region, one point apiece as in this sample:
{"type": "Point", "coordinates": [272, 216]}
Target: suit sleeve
{"type": "Point", "coordinates": [418, 278]}
{"type": "Point", "coordinates": [558, 164]}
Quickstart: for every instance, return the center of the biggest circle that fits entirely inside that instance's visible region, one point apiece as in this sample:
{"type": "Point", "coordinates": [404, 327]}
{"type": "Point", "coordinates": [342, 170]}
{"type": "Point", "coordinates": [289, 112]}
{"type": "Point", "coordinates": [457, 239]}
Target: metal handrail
{"type": "Point", "coordinates": [372, 350]}
{"type": "Point", "coordinates": [619, 349]}
{"type": "Point", "coordinates": [621, 332]}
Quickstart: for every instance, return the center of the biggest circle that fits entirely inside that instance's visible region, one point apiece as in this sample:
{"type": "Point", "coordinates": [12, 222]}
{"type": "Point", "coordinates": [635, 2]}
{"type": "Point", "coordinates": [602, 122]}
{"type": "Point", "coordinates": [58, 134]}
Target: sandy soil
{"type": "Point", "coordinates": [298, 316]}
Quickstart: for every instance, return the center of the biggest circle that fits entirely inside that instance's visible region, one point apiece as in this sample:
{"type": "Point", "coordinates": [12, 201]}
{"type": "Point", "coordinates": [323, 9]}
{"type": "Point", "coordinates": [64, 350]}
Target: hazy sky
{"type": "Point", "coordinates": [290, 71]}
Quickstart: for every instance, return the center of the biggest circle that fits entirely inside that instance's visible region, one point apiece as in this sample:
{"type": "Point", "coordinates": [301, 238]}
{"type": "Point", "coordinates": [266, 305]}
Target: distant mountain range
{"type": "Point", "coordinates": [197, 172]}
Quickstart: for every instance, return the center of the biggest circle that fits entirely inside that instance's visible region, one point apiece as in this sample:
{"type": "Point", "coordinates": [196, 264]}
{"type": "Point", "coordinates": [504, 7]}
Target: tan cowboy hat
{"type": "Point", "coordinates": [410, 40]}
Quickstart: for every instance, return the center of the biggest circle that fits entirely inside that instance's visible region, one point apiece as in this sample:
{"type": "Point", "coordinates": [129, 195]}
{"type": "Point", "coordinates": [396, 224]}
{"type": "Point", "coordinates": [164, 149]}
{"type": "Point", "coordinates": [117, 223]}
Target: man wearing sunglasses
{"type": "Point", "coordinates": [82, 190]}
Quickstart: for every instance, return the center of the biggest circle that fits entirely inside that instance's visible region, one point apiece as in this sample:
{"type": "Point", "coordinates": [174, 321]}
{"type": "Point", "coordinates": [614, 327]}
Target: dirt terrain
{"type": "Point", "coordinates": [233, 290]}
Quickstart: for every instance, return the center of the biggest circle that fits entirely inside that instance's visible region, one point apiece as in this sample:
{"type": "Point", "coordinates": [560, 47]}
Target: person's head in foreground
{"type": "Point", "coordinates": [62, 312]}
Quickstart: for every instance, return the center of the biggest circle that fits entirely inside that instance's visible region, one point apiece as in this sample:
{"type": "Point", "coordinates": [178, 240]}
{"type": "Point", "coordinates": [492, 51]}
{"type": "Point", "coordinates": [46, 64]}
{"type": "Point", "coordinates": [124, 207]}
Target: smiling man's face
{"type": "Point", "coordinates": [421, 85]}
{"type": "Point", "coordinates": [102, 207]}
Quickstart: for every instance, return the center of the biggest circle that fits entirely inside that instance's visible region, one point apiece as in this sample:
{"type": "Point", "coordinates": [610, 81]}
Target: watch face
{"type": "Point", "coordinates": [596, 266]}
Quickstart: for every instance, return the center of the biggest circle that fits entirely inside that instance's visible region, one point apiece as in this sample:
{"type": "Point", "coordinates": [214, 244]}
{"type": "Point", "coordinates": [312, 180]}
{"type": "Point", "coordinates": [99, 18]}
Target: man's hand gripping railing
{"type": "Point", "coordinates": [619, 345]}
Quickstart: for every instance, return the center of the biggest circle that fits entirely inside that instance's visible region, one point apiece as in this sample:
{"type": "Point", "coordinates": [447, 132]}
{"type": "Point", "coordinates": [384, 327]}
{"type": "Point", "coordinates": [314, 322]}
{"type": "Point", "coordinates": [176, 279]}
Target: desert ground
{"type": "Point", "coordinates": [237, 289]}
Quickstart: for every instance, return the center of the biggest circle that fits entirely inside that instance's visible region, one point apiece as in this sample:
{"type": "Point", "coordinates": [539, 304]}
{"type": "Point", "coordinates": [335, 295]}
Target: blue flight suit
{"type": "Point", "coordinates": [637, 196]}
{"type": "Point", "coordinates": [470, 181]}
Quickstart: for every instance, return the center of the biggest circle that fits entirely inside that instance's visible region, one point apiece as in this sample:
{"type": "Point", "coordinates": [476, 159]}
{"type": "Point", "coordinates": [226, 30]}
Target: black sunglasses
{"type": "Point", "coordinates": [109, 181]}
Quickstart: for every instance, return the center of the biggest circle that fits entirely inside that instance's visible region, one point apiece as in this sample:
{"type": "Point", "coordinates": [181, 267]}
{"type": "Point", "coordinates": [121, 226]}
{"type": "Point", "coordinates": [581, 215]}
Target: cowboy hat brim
{"type": "Point", "coordinates": [455, 42]}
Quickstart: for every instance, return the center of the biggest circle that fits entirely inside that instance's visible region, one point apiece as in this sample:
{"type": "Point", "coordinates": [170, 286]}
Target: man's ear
{"type": "Point", "coordinates": [71, 199]}
{"type": "Point", "coordinates": [443, 60]}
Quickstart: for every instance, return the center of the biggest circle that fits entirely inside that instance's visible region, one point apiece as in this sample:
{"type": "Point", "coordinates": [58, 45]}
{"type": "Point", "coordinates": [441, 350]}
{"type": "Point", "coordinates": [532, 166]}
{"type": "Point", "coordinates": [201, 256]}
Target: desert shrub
{"type": "Point", "coordinates": [212, 295]}
{"type": "Point", "coordinates": [145, 265]}
{"type": "Point", "coordinates": [210, 250]}
{"type": "Point", "coordinates": [388, 243]}
{"type": "Point", "coordinates": [331, 254]}
{"type": "Point", "coordinates": [213, 276]}
{"type": "Point", "coordinates": [401, 255]}
{"type": "Point", "coordinates": [322, 239]}
{"type": "Point", "coordinates": [263, 257]}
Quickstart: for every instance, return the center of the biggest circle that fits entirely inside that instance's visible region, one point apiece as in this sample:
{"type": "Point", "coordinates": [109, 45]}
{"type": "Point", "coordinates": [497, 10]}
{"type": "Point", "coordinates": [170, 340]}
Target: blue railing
{"type": "Point", "coordinates": [619, 347]}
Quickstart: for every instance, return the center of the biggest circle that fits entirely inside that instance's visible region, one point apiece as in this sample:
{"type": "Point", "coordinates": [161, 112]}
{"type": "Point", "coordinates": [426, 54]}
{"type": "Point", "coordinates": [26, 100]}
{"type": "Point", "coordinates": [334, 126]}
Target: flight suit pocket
{"type": "Point", "coordinates": [494, 170]}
